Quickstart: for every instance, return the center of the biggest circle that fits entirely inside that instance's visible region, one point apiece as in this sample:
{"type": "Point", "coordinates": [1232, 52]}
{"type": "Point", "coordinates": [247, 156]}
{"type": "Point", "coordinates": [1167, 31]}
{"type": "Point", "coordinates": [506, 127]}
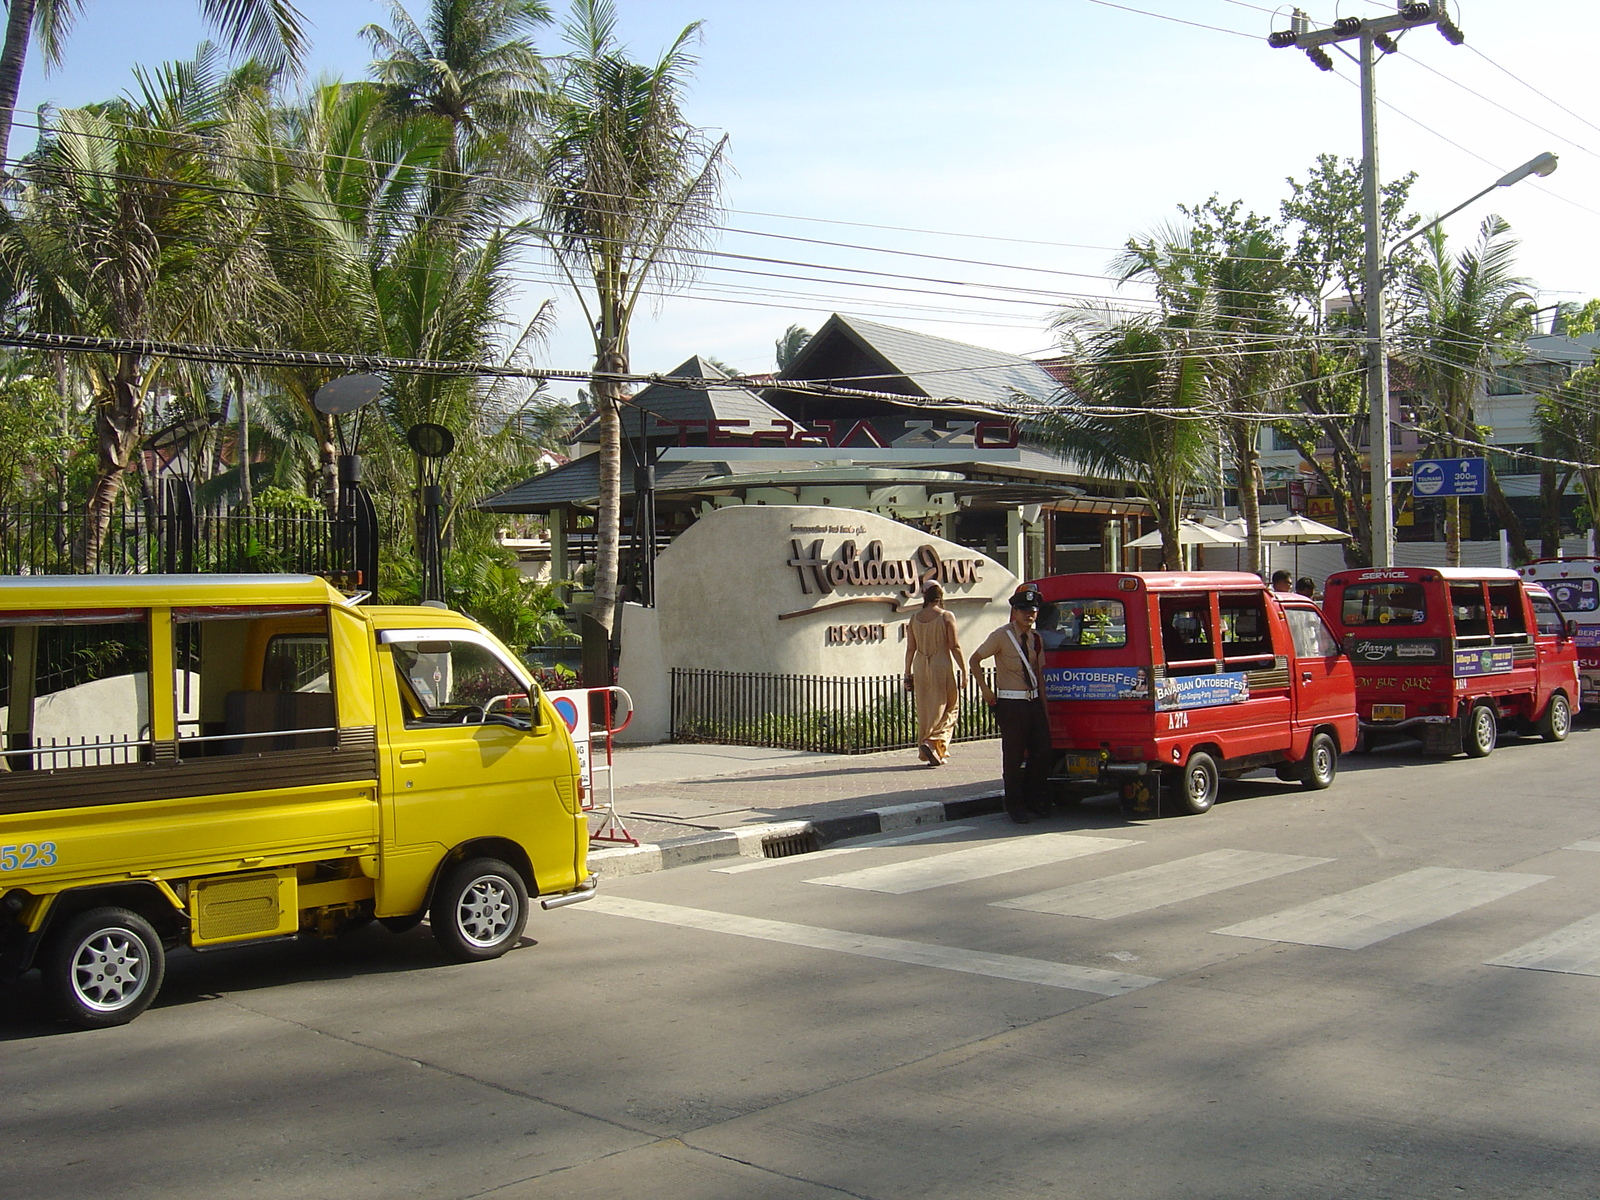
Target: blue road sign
{"type": "Point", "coordinates": [1450, 477]}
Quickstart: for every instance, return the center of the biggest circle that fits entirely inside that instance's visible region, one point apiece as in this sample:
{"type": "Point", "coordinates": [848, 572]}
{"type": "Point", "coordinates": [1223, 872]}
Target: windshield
{"type": "Point", "coordinates": [1383, 604]}
{"type": "Point", "coordinates": [1083, 625]}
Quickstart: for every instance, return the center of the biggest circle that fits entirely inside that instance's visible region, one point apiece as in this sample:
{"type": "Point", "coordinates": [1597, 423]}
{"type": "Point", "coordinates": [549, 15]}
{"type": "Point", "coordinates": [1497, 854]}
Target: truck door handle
{"type": "Point", "coordinates": [413, 756]}
{"type": "Point", "coordinates": [1305, 676]}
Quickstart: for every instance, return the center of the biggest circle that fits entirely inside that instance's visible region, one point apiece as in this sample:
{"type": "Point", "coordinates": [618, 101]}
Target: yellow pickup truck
{"type": "Point", "coordinates": [205, 760]}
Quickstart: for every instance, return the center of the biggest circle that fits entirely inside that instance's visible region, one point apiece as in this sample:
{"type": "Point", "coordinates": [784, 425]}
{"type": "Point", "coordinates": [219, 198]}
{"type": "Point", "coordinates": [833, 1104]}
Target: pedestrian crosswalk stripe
{"type": "Point", "coordinates": [1165, 883]}
{"type": "Point", "coordinates": [920, 954]}
{"type": "Point", "coordinates": [1586, 844]}
{"type": "Point", "coordinates": [1573, 950]}
{"type": "Point", "coordinates": [1351, 920]}
{"type": "Point", "coordinates": [979, 862]}
{"type": "Point", "coordinates": [762, 863]}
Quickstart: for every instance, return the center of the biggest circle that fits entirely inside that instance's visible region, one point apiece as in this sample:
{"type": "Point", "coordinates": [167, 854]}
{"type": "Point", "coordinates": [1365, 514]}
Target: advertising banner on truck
{"type": "Point", "coordinates": [1397, 650]}
{"type": "Point", "coordinates": [1096, 683]}
{"type": "Point", "coordinates": [1201, 691]}
{"type": "Point", "coordinates": [1484, 662]}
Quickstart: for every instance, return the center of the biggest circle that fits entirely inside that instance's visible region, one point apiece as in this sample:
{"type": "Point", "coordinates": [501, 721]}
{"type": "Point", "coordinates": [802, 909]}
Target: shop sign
{"type": "Point", "coordinates": [1096, 683]}
{"type": "Point", "coordinates": [1392, 650]}
{"type": "Point", "coordinates": [1201, 691]}
{"type": "Point", "coordinates": [856, 635]}
{"type": "Point", "coordinates": [1483, 662]}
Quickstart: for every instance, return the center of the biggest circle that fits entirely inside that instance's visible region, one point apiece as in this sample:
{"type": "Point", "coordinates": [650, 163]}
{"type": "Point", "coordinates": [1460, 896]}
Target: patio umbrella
{"type": "Point", "coordinates": [1298, 531]}
{"type": "Point", "coordinates": [1190, 533]}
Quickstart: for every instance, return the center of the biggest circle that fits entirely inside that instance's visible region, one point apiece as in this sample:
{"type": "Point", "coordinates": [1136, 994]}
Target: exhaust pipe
{"type": "Point", "coordinates": [585, 892]}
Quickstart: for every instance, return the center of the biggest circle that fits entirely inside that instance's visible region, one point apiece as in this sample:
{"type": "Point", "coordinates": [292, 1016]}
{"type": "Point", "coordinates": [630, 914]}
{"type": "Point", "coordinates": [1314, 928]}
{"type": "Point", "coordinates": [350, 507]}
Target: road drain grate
{"type": "Point", "coordinates": [786, 845]}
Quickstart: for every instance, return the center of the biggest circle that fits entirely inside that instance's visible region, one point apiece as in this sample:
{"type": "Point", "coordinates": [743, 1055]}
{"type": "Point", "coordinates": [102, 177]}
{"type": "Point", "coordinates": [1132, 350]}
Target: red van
{"type": "Point", "coordinates": [1163, 683]}
{"type": "Point", "coordinates": [1450, 655]}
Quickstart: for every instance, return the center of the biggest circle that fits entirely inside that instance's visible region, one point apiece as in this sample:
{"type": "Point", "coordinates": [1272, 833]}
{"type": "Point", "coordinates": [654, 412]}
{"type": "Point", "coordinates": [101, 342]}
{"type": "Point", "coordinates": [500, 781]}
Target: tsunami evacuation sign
{"type": "Point", "coordinates": [1450, 477]}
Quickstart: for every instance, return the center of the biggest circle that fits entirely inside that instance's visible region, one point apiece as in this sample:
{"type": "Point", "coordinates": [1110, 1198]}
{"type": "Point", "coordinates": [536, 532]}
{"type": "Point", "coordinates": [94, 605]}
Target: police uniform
{"type": "Point", "coordinates": [1026, 752]}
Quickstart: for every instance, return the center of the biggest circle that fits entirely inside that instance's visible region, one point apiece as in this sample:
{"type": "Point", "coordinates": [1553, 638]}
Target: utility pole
{"type": "Point", "coordinates": [1374, 34]}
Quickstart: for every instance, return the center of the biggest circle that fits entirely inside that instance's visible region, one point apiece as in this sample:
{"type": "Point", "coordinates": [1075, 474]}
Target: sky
{"type": "Point", "coordinates": [1026, 139]}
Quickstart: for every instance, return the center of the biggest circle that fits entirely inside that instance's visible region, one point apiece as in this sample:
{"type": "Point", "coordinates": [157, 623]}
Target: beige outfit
{"type": "Point", "coordinates": [933, 680]}
{"type": "Point", "coordinates": [1011, 680]}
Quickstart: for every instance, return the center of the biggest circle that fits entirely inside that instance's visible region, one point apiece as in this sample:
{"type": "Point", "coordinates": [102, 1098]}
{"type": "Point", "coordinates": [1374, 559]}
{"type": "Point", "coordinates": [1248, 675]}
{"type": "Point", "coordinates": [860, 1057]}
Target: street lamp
{"type": "Point", "coordinates": [1380, 475]}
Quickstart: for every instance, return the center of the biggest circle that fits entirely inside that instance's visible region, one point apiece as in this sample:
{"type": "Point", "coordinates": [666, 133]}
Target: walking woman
{"type": "Point", "coordinates": [934, 674]}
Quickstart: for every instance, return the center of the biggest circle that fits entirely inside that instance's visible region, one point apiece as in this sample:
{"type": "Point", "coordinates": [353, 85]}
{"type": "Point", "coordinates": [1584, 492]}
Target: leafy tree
{"type": "Point", "coordinates": [1569, 425]}
{"type": "Point", "coordinates": [1574, 320]}
{"type": "Point", "coordinates": [127, 229]}
{"type": "Point", "coordinates": [788, 347]}
{"type": "Point", "coordinates": [1466, 309]}
{"type": "Point", "coordinates": [270, 30]}
{"type": "Point", "coordinates": [629, 189]}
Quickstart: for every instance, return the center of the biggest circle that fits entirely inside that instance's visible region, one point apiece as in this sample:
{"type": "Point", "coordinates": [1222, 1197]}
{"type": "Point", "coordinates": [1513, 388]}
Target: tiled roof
{"type": "Point", "coordinates": [669, 403]}
{"type": "Point", "coordinates": [937, 367]}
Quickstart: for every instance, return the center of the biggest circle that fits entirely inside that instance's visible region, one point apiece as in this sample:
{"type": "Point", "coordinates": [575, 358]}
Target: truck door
{"type": "Point", "coordinates": [1321, 692]}
{"type": "Point", "coordinates": [457, 772]}
{"type": "Point", "coordinates": [1557, 654]}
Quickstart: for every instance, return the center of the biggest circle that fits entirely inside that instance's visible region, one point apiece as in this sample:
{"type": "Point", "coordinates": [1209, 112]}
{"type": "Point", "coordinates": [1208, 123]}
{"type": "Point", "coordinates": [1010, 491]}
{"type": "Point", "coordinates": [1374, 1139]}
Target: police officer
{"type": "Point", "coordinates": [1017, 698]}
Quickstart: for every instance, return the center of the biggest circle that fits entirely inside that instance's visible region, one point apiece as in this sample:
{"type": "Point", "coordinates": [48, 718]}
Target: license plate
{"type": "Point", "coordinates": [1081, 766]}
{"type": "Point", "coordinates": [1388, 712]}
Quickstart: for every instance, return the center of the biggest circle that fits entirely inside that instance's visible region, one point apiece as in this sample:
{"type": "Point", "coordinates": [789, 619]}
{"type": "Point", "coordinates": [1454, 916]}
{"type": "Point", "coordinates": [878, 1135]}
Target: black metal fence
{"type": "Point", "coordinates": [809, 712]}
{"type": "Point", "coordinates": [164, 532]}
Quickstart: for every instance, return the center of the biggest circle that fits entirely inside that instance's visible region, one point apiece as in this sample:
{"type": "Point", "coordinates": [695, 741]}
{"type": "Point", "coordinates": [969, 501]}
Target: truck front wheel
{"type": "Point", "coordinates": [479, 909]}
{"type": "Point", "coordinates": [1321, 763]}
{"type": "Point", "coordinates": [1556, 722]}
{"type": "Point", "coordinates": [104, 967]}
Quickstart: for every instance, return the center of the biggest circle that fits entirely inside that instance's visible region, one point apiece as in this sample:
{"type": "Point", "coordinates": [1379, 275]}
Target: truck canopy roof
{"type": "Point", "coordinates": [141, 591]}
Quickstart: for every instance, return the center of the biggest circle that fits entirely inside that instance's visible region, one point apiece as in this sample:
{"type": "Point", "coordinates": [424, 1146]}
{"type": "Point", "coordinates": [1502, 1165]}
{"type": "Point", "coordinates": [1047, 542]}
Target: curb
{"type": "Point", "coordinates": [749, 841]}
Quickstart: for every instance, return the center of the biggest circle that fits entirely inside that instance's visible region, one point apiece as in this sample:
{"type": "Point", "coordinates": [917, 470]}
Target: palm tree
{"type": "Point", "coordinates": [270, 30]}
{"type": "Point", "coordinates": [628, 189]}
{"type": "Point", "coordinates": [1132, 411]}
{"type": "Point", "coordinates": [1569, 427]}
{"type": "Point", "coordinates": [1467, 308]}
{"type": "Point", "coordinates": [1224, 277]}
{"type": "Point", "coordinates": [788, 347]}
{"type": "Point", "coordinates": [472, 65]}
{"type": "Point", "coordinates": [126, 229]}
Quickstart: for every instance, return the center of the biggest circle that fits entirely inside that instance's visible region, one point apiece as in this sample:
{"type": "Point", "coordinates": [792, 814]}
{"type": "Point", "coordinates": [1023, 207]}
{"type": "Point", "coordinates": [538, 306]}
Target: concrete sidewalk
{"type": "Point", "coordinates": [687, 803]}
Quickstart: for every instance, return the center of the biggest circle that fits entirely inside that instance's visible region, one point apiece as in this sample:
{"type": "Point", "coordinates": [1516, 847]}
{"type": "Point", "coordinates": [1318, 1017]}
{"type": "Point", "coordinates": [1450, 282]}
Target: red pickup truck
{"type": "Point", "coordinates": [1163, 683]}
{"type": "Point", "coordinates": [1450, 655]}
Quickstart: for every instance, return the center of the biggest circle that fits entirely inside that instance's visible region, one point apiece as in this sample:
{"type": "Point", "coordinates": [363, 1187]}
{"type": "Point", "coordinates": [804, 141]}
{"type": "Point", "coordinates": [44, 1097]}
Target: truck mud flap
{"type": "Point", "coordinates": [1442, 738]}
{"type": "Point", "coordinates": [1140, 797]}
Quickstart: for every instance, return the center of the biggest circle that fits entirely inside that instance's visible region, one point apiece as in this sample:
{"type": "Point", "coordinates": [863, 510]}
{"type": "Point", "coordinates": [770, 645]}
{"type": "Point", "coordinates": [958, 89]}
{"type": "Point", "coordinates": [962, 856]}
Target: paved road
{"type": "Point", "coordinates": [1389, 989]}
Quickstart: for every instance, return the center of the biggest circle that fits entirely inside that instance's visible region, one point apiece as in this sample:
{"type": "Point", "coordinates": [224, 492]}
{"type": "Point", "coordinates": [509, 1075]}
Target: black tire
{"type": "Point", "coordinates": [1556, 721]}
{"type": "Point", "coordinates": [479, 909]}
{"type": "Point", "coordinates": [103, 968]}
{"type": "Point", "coordinates": [1195, 785]}
{"type": "Point", "coordinates": [1321, 763]}
{"type": "Point", "coordinates": [1482, 732]}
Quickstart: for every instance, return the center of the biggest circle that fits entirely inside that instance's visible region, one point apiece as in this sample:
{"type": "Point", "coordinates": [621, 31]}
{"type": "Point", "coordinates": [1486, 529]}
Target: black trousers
{"type": "Point", "coordinates": [1026, 755]}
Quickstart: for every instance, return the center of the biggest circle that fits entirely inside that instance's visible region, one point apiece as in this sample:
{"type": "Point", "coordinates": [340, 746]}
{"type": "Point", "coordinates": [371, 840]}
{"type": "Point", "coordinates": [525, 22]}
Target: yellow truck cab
{"type": "Point", "coordinates": [205, 760]}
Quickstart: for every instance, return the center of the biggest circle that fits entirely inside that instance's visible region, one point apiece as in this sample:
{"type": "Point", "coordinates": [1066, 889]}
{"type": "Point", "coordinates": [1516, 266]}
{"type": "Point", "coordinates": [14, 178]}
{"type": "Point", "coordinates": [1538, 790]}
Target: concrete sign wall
{"type": "Point", "coordinates": [797, 590]}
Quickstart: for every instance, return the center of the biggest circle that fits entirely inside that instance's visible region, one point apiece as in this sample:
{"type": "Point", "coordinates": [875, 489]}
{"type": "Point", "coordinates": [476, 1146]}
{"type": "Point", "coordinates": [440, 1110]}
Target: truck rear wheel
{"type": "Point", "coordinates": [1556, 722]}
{"type": "Point", "coordinates": [1321, 763]}
{"type": "Point", "coordinates": [479, 910]}
{"type": "Point", "coordinates": [1482, 732]}
{"type": "Point", "coordinates": [1197, 784]}
{"type": "Point", "coordinates": [104, 967]}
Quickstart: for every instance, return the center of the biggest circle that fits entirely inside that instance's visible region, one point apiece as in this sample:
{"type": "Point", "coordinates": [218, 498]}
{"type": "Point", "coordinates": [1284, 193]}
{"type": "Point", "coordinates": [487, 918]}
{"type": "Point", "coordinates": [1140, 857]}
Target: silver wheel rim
{"type": "Point", "coordinates": [1483, 728]}
{"type": "Point", "coordinates": [486, 911]}
{"type": "Point", "coordinates": [110, 969]}
{"type": "Point", "coordinates": [1200, 784]}
{"type": "Point", "coordinates": [1322, 762]}
{"type": "Point", "coordinates": [1560, 716]}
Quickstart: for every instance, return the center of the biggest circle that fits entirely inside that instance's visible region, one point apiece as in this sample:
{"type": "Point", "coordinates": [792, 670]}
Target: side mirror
{"type": "Point", "coordinates": [1569, 627]}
